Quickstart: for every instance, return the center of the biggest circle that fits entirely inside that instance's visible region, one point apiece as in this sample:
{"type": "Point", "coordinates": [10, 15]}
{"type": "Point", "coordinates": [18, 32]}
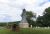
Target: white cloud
{"type": "Point", "coordinates": [12, 9]}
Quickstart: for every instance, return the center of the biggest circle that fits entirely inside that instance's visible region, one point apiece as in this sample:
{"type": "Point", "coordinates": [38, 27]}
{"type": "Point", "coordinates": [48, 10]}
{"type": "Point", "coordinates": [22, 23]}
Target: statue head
{"type": "Point", "coordinates": [24, 10]}
{"type": "Point", "coordinates": [23, 13]}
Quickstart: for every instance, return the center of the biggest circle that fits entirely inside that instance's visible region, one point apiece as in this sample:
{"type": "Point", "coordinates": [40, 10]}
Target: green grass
{"type": "Point", "coordinates": [35, 31]}
{"type": "Point", "coordinates": [26, 31]}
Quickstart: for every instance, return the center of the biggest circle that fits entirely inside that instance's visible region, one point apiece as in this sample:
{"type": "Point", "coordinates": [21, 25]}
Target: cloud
{"type": "Point", "coordinates": [11, 10]}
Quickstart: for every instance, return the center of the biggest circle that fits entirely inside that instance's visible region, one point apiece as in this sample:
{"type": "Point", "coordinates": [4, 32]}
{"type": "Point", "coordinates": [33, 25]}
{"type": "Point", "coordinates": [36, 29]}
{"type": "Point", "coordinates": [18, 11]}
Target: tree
{"type": "Point", "coordinates": [29, 15]}
{"type": "Point", "coordinates": [40, 21]}
{"type": "Point", "coordinates": [45, 19]}
{"type": "Point", "coordinates": [47, 16]}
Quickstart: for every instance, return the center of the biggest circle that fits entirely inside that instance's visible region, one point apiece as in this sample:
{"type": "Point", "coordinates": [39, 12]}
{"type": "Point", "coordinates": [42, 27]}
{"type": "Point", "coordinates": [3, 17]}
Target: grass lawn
{"type": "Point", "coordinates": [26, 31]}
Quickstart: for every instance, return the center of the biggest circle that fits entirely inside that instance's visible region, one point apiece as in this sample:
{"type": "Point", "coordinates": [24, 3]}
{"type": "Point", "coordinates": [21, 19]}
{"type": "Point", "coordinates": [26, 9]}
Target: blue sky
{"type": "Point", "coordinates": [11, 10]}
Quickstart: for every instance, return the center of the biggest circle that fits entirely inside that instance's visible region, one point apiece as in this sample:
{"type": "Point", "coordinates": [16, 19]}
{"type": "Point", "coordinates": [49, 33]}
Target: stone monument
{"type": "Point", "coordinates": [24, 23]}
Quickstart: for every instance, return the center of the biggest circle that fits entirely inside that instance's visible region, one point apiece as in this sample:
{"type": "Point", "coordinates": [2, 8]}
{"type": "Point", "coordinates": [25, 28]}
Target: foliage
{"type": "Point", "coordinates": [15, 22]}
{"type": "Point", "coordinates": [9, 23]}
{"type": "Point", "coordinates": [29, 15]}
{"type": "Point", "coordinates": [3, 24]}
{"type": "Point", "coordinates": [45, 19]}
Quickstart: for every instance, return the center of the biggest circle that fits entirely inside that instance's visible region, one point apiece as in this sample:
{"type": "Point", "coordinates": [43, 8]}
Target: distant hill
{"type": "Point", "coordinates": [9, 23]}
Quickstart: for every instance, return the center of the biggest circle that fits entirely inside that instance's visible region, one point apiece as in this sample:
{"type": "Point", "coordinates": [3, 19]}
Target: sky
{"type": "Point", "coordinates": [11, 10]}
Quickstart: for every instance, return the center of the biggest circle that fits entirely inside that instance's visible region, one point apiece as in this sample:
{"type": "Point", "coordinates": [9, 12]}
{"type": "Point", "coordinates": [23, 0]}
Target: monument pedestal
{"type": "Point", "coordinates": [23, 25]}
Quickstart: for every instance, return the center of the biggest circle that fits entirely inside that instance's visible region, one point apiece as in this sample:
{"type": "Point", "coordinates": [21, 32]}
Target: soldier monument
{"type": "Point", "coordinates": [24, 23]}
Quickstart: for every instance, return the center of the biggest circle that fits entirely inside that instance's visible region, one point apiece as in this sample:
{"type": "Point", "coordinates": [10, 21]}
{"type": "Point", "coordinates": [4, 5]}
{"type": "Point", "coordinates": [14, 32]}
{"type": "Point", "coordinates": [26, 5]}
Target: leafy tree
{"type": "Point", "coordinates": [47, 16]}
{"type": "Point", "coordinates": [45, 19]}
{"type": "Point", "coordinates": [40, 21]}
{"type": "Point", "coordinates": [29, 15]}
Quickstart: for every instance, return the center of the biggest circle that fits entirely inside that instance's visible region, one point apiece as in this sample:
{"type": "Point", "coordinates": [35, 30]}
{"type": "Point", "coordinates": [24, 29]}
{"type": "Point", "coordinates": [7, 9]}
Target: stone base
{"type": "Point", "coordinates": [23, 25]}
